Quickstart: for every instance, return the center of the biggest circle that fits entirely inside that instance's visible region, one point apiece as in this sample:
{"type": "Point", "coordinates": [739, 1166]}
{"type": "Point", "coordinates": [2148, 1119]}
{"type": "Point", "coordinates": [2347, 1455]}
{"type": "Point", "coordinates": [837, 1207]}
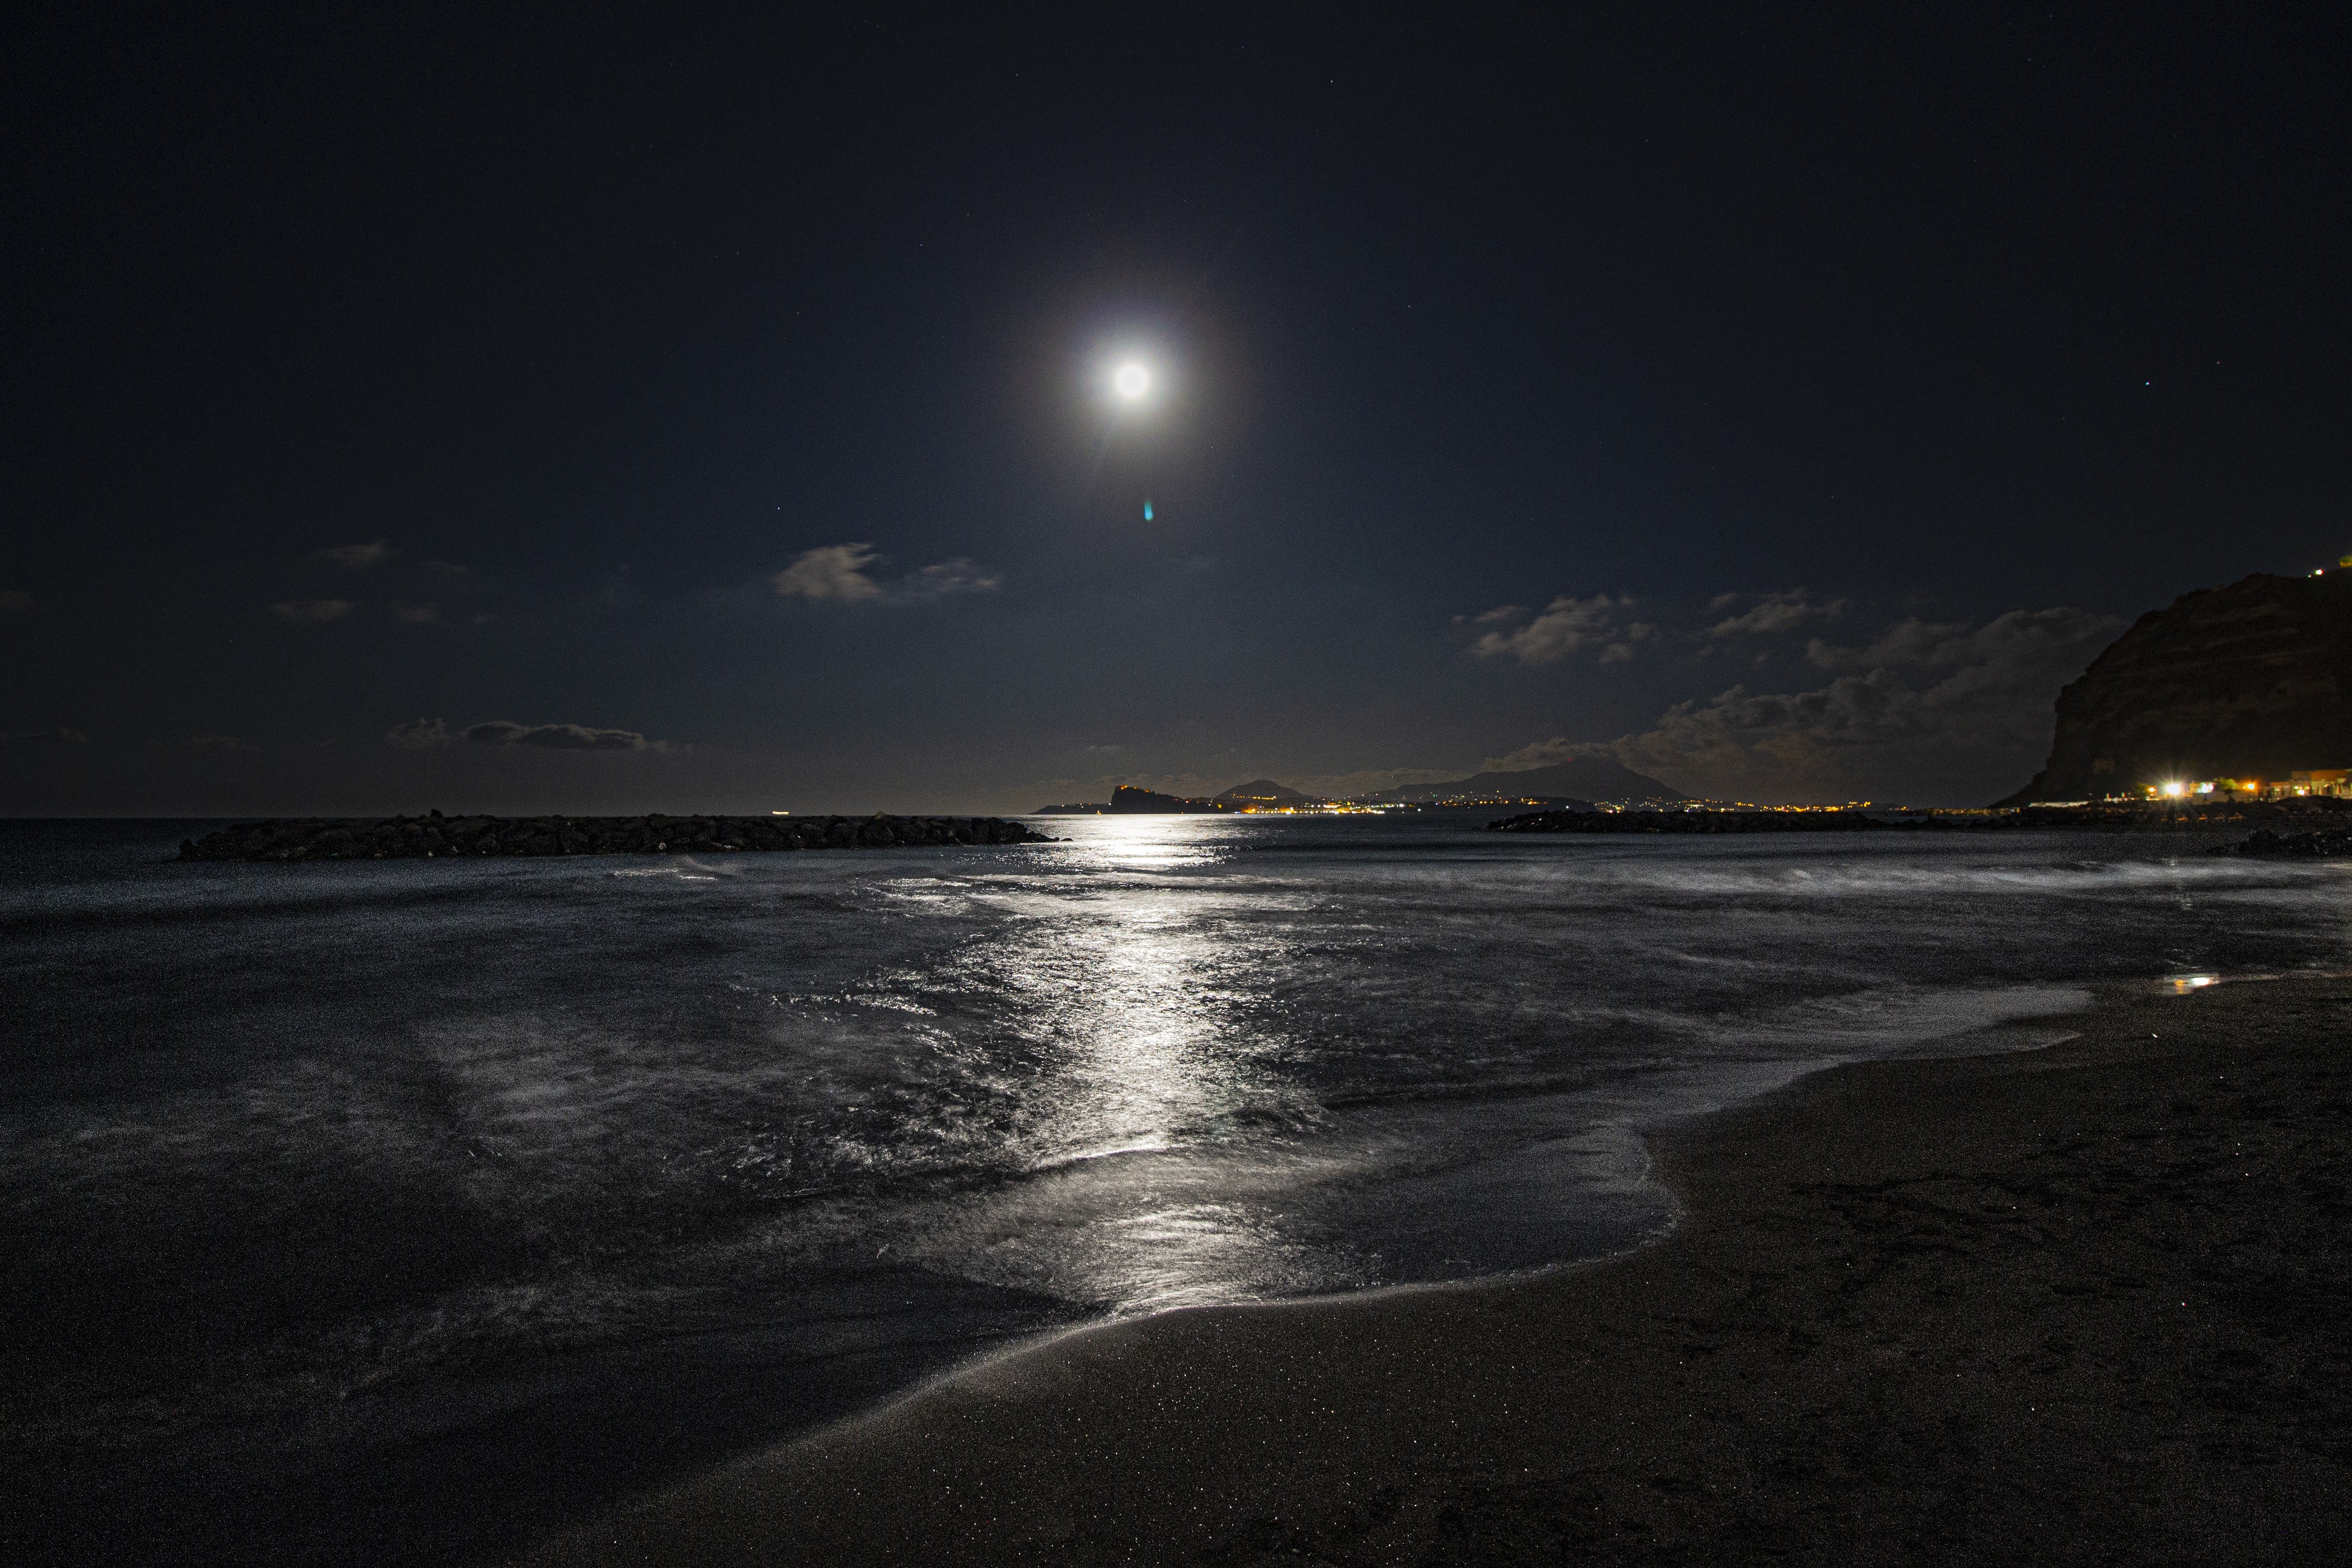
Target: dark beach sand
{"type": "Point", "coordinates": [2086, 1304]}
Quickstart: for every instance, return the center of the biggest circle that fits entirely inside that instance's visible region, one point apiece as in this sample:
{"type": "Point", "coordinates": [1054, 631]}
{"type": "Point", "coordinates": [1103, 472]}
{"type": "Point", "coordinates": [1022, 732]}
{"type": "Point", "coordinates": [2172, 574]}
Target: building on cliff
{"type": "Point", "coordinates": [2251, 682]}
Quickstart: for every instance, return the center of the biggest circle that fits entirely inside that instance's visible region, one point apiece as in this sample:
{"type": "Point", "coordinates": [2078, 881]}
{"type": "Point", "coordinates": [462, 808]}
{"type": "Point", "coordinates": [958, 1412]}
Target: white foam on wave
{"type": "Point", "coordinates": [1881, 1019]}
{"type": "Point", "coordinates": [1772, 878]}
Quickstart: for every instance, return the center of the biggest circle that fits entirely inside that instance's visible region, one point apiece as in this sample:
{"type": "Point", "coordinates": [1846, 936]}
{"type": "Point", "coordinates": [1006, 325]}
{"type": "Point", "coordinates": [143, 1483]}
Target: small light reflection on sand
{"type": "Point", "coordinates": [2181, 985]}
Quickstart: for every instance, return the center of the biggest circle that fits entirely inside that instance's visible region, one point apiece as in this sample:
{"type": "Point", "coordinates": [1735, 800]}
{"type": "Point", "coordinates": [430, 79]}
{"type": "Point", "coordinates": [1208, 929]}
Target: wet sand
{"type": "Point", "coordinates": [2086, 1304]}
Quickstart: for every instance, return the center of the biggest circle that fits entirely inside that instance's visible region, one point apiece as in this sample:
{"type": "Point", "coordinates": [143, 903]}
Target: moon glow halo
{"type": "Point", "coordinates": [1130, 381]}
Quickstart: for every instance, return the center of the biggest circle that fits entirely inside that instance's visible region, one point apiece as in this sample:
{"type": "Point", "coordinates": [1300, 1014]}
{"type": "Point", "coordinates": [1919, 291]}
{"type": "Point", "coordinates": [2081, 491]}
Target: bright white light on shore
{"type": "Point", "coordinates": [2173, 789]}
{"type": "Point", "coordinates": [1131, 382]}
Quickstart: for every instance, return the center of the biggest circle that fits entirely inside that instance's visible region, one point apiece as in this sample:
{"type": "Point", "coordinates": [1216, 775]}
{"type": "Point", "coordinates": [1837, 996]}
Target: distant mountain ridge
{"type": "Point", "coordinates": [1579, 779]}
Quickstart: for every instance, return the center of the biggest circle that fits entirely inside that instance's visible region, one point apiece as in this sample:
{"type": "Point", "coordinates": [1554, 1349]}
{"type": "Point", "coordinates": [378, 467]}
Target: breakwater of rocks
{"type": "Point", "coordinates": [2320, 843]}
{"type": "Point", "coordinates": [422, 838]}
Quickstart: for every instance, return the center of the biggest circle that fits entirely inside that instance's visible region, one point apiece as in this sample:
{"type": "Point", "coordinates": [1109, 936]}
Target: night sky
{"type": "Point", "coordinates": [578, 410]}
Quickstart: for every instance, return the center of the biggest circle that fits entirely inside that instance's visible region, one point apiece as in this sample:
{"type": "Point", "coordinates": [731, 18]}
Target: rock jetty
{"type": "Point", "coordinates": [2320, 843]}
{"type": "Point", "coordinates": [424, 838]}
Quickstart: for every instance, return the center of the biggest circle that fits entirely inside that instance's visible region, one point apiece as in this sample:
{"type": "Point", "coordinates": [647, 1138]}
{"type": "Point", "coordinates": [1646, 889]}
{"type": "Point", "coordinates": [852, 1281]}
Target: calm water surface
{"type": "Point", "coordinates": [380, 1213]}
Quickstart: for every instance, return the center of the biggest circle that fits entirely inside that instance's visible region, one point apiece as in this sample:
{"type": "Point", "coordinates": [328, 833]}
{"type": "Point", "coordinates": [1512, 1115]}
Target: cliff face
{"type": "Point", "coordinates": [2248, 681]}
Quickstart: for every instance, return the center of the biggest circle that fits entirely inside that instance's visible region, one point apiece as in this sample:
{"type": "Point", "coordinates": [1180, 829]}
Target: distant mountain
{"type": "Point", "coordinates": [1265, 794]}
{"type": "Point", "coordinates": [1579, 779]}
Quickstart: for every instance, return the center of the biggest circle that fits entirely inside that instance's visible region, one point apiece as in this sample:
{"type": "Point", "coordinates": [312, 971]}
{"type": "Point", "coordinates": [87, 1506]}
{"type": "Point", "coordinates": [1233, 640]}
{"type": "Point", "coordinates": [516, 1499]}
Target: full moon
{"type": "Point", "coordinates": [1131, 382]}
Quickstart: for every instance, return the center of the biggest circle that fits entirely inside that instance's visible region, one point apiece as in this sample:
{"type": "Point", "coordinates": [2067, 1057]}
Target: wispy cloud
{"type": "Point", "coordinates": [358, 558]}
{"type": "Point", "coordinates": [829, 571]}
{"type": "Point", "coordinates": [558, 737]}
{"type": "Point", "coordinates": [1773, 613]}
{"type": "Point", "coordinates": [840, 573]}
{"type": "Point", "coordinates": [43, 737]}
{"type": "Point", "coordinates": [1544, 754]}
{"type": "Point", "coordinates": [1911, 642]}
{"type": "Point", "coordinates": [1567, 625]}
{"type": "Point", "coordinates": [418, 735]}
{"type": "Point", "coordinates": [417, 614]}
{"type": "Point", "coordinates": [957, 576]}
{"type": "Point", "coordinates": [312, 612]}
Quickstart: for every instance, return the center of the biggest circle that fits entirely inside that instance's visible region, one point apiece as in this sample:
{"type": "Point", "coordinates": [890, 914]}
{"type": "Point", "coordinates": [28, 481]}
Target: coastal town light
{"type": "Point", "coordinates": [2176, 788]}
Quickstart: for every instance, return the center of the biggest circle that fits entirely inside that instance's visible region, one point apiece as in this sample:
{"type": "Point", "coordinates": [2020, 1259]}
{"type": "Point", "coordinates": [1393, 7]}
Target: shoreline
{"type": "Point", "coordinates": [2067, 1304]}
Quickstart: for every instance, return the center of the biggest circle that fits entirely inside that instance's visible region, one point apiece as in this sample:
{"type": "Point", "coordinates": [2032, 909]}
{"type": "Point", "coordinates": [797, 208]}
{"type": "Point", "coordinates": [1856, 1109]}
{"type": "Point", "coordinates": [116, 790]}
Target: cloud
{"type": "Point", "coordinates": [14, 601]}
{"type": "Point", "coordinates": [1567, 624]}
{"type": "Point", "coordinates": [417, 614]}
{"type": "Point", "coordinates": [1618, 653]}
{"type": "Point", "coordinates": [43, 737]}
{"type": "Point", "coordinates": [1927, 713]}
{"type": "Point", "coordinates": [1541, 754]}
{"type": "Point", "coordinates": [1498, 615]}
{"type": "Point", "coordinates": [558, 737]}
{"type": "Point", "coordinates": [839, 572]}
{"type": "Point", "coordinates": [312, 612]}
{"type": "Point", "coordinates": [829, 571]}
{"type": "Point", "coordinates": [957, 576]}
{"type": "Point", "coordinates": [1774, 613]}
{"type": "Point", "coordinates": [448, 568]}
{"type": "Point", "coordinates": [1911, 642]}
{"type": "Point", "coordinates": [358, 558]}
{"type": "Point", "coordinates": [418, 735]}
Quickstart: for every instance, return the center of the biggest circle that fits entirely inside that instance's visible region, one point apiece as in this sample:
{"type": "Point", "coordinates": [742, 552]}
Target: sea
{"type": "Point", "coordinates": [392, 1212]}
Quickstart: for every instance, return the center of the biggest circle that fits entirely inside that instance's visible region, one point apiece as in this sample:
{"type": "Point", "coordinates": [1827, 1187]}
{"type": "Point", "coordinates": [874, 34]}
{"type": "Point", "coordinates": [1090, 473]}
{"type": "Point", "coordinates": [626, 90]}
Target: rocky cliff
{"type": "Point", "coordinates": [2248, 681]}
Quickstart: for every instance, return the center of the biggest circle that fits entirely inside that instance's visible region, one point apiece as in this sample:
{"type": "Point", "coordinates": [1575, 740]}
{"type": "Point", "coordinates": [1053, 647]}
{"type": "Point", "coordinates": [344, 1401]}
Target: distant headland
{"type": "Point", "coordinates": [435, 835]}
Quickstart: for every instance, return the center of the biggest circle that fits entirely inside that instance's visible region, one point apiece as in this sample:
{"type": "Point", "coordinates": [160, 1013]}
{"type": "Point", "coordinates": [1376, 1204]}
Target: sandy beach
{"type": "Point", "coordinates": [2078, 1304]}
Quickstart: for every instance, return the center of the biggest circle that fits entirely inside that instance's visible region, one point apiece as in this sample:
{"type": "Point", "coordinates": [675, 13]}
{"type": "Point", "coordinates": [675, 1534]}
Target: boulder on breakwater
{"type": "Point", "coordinates": [424, 838]}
